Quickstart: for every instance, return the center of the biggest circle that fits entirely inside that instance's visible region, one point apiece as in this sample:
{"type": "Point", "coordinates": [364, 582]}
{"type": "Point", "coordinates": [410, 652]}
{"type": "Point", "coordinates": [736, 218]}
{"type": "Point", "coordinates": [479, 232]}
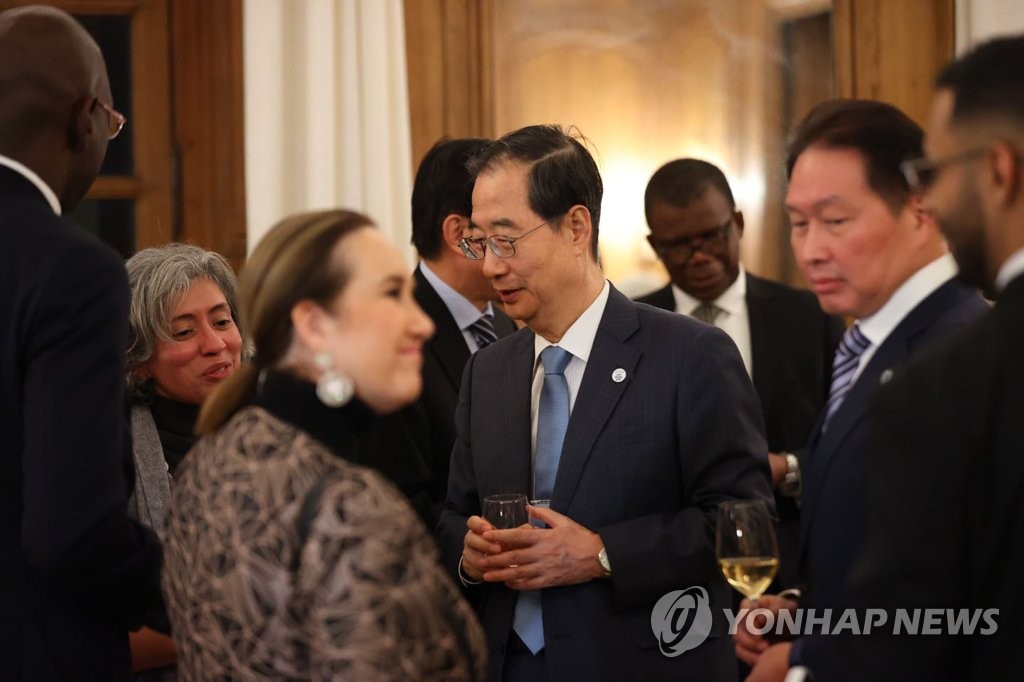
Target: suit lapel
{"type": "Point", "coordinates": [448, 345]}
{"type": "Point", "coordinates": [896, 348]}
{"type": "Point", "coordinates": [598, 394]}
{"type": "Point", "coordinates": [516, 464]}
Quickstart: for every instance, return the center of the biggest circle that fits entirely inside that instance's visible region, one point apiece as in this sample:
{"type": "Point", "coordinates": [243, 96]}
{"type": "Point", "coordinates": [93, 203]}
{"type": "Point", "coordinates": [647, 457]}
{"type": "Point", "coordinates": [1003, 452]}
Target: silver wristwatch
{"type": "Point", "coordinates": [602, 558]}
{"type": "Point", "coordinates": [790, 486]}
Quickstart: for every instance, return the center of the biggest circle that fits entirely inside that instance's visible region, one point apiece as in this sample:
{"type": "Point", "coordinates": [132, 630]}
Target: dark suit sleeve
{"type": "Point", "coordinates": [463, 499]}
{"type": "Point", "coordinates": [75, 525]}
{"type": "Point", "coordinates": [722, 455]}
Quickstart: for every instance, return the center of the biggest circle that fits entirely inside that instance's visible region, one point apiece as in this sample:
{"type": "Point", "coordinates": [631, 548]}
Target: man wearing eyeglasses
{"type": "Point", "coordinates": [872, 252]}
{"type": "Point", "coordinates": [632, 422]}
{"type": "Point", "coordinates": [945, 527]}
{"type": "Point", "coordinates": [785, 339]}
{"type": "Point", "coordinates": [76, 573]}
{"type": "Point", "coordinates": [412, 447]}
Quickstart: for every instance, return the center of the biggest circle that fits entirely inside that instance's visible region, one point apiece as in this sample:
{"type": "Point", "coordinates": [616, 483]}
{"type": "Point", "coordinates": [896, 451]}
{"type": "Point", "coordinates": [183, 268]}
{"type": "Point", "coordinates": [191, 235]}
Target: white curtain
{"type": "Point", "coordinates": [327, 112]}
{"type": "Point", "coordinates": [980, 20]}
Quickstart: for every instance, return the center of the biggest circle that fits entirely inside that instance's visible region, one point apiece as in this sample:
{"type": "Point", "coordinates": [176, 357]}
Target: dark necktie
{"type": "Point", "coordinates": [483, 332]}
{"type": "Point", "coordinates": [844, 367]}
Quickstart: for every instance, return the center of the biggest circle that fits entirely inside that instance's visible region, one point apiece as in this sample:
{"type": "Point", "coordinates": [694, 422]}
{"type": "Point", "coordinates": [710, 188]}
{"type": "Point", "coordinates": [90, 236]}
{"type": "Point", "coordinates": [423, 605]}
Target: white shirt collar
{"type": "Point", "coordinates": [1011, 270]}
{"type": "Point", "coordinates": [918, 287]}
{"type": "Point", "coordinates": [579, 338]}
{"type": "Point", "coordinates": [464, 312]}
{"type": "Point", "coordinates": [732, 300]}
{"type": "Point", "coordinates": [31, 176]}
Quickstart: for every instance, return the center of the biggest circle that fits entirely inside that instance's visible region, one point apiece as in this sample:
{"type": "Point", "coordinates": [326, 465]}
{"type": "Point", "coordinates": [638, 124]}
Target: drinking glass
{"type": "Point", "coordinates": [745, 545]}
{"type": "Point", "coordinates": [505, 511]}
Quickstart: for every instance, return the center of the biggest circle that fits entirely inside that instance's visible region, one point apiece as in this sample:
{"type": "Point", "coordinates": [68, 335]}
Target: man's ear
{"type": "Point", "coordinates": [737, 218]}
{"type": "Point", "coordinates": [452, 230]}
{"type": "Point", "coordinates": [578, 221]}
{"type": "Point", "coordinates": [308, 322]}
{"type": "Point", "coordinates": [80, 124]}
{"type": "Point", "coordinates": [1005, 172]}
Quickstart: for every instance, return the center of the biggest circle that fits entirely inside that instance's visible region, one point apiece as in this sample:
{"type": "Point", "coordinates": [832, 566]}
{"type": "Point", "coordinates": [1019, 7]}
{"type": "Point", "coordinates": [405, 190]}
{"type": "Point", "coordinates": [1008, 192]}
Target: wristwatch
{"type": "Point", "coordinates": [602, 558]}
{"type": "Point", "coordinates": [790, 486]}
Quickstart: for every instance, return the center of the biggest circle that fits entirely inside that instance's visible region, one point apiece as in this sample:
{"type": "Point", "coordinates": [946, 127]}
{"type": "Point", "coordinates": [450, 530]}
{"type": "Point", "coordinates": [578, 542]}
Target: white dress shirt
{"type": "Point", "coordinates": [31, 176]}
{"type": "Point", "coordinates": [734, 321]}
{"type": "Point", "coordinates": [1011, 270]}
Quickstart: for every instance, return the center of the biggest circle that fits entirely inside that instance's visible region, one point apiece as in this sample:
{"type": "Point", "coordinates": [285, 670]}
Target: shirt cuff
{"type": "Point", "coordinates": [464, 579]}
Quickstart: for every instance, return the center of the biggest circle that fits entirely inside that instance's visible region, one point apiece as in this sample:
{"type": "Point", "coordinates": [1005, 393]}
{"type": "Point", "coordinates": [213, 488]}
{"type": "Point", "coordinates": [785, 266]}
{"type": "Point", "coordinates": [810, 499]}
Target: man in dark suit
{"type": "Point", "coordinates": [870, 251]}
{"type": "Point", "coordinates": [634, 423]}
{"type": "Point", "coordinates": [946, 529]}
{"type": "Point", "coordinates": [413, 447]}
{"type": "Point", "coordinates": [785, 339]}
{"type": "Point", "coordinates": [76, 573]}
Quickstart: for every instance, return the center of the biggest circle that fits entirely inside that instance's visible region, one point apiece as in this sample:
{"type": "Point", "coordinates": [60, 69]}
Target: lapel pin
{"type": "Point", "coordinates": [886, 377]}
{"type": "Point", "coordinates": [619, 375]}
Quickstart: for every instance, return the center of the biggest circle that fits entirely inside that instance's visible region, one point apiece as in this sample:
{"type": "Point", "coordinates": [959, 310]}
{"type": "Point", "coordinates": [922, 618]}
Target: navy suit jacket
{"type": "Point", "coordinates": [75, 571]}
{"type": "Point", "coordinates": [836, 463]}
{"type": "Point", "coordinates": [945, 526]}
{"type": "Point", "coordinates": [414, 446]}
{"type": "Point", "coordinates": [645, 463]}
{"type": "Point", "coordinates": [792, 343]}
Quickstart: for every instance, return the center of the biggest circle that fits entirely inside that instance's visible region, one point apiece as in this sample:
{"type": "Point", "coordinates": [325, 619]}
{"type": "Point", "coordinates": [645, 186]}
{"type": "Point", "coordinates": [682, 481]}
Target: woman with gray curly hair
{"type": "Point", "coordinates": [183, 341]}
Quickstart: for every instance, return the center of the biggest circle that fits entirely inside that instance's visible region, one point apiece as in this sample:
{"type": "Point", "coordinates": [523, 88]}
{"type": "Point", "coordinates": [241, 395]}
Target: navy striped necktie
{"type": "Point", "coordinates": [483, 331]}
{"type": "Point", "coordinates": [844, 367]}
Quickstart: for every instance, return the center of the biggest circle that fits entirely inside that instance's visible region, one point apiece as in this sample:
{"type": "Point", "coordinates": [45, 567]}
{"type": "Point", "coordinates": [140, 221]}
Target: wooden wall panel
{"type": "Point", "coordinates": [892, 49]}
{"type": "Point", "coordinates": [209, 124]}
{"type": "Point", "coordinates": [448, 45]}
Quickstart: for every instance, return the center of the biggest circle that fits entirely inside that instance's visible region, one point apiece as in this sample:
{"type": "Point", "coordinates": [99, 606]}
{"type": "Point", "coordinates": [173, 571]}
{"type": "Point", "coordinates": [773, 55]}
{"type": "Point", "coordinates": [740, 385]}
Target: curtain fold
{"type": "Point", "coordinates": [327, 112]}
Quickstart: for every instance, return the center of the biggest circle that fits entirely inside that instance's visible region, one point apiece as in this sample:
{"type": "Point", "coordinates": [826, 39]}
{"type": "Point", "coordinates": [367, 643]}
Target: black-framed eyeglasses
{"type": "Point", "coordinates": [500, 245]}
{"type": "Point", "coordinates": [115, 119]}
{"type": "Point", "coordinates": [920, 173]}
{"type": "Point", "coordinates": [683, 249]}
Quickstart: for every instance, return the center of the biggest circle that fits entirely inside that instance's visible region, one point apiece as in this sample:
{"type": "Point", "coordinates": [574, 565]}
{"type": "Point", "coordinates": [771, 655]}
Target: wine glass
{"type": "Point", "coordinates": [745, 545]}
{"type": "Point", "coordinates": [505, 511]}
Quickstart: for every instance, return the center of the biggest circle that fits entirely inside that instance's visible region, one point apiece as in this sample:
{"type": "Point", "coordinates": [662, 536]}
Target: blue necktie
{"type": "Point", "coordinates": [483, 332]}
{"type": "Point", "coordinates": [844, 367]}
{"type": "Point", "coordinates": [552, 420]}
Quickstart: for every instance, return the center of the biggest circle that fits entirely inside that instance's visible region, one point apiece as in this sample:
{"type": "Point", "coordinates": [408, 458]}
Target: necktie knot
{"type": "Point", "coordinates": [483, 331]}
{"type": "Point", "coordinates": [844, 367]}
{"type": "Point", "coordinates": [555, 359]}
{"type": "Point", "coordinates": [707, 312]}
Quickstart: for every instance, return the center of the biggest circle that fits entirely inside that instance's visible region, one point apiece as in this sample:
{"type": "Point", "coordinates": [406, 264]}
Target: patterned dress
{"type": "Point", "coordinates": [284, 561]}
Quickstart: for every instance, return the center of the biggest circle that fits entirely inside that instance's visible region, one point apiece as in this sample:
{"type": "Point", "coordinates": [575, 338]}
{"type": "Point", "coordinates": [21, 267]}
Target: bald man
{"type": "Point", "coordinates": [76, 573]}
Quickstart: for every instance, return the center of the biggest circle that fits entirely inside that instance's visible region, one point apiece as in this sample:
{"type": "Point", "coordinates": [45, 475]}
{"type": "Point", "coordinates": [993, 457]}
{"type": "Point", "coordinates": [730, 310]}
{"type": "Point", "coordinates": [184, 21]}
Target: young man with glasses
{"type": "Point", "coordinates": [870, 251]}
{"type": "Point", "coordinates": [947, 469]}
{"type": "Point", "coordinates": [633, 422]}
{"type": "Point", "coordinates": [785, 339]}
{"type": "Point", "coordinates": [76, 572]}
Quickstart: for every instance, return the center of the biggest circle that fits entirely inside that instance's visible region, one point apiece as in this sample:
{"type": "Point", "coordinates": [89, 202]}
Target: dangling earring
{"type": "Point", "coordinates": [333, 389]}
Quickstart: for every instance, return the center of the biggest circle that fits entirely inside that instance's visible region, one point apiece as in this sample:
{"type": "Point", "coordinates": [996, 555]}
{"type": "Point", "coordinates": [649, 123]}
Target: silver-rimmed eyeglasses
{"type": "Point", "coordinates": [920, 173]}
{"type": "Point", "coordinates": [500, 245]}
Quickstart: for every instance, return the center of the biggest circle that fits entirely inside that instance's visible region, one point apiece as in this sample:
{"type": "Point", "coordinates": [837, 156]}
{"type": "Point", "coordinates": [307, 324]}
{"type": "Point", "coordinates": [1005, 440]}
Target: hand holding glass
{"type": "Point", "coordinates": [505, 511]}
{"type": "Point", "coordinates": [745, 545]}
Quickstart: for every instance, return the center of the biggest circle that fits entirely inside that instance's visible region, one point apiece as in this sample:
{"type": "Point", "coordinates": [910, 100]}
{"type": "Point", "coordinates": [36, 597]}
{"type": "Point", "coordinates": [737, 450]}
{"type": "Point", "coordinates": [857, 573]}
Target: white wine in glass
{"type": "Point", "coordinates": [745, 545]}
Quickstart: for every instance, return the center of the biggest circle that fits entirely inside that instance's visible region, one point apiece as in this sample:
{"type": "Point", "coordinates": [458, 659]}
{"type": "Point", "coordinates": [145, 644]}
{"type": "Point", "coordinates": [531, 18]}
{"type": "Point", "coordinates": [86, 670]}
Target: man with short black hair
{"type": "Point", "coordinates": [633, 422]}
{"type": "Point", "coordinates": [76, 572]}
{"type": "Point", "coordinates": [785, 339]}
{"type": "Point", "coordinates": [870, 251]}
{"type": "Point", "coordinates": [946, 468]}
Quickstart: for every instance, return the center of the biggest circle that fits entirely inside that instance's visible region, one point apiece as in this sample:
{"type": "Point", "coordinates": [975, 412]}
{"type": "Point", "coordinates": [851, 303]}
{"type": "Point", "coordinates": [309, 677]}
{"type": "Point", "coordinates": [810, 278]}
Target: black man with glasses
{"type": "Point", "coordinates": [785, 339]}
{"type": "Point", "coordinates": [947, 469]}
{"type": "Point", "coordinates": [634, 423]}
{"type": "Point", "coordinates": [76, 572]}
